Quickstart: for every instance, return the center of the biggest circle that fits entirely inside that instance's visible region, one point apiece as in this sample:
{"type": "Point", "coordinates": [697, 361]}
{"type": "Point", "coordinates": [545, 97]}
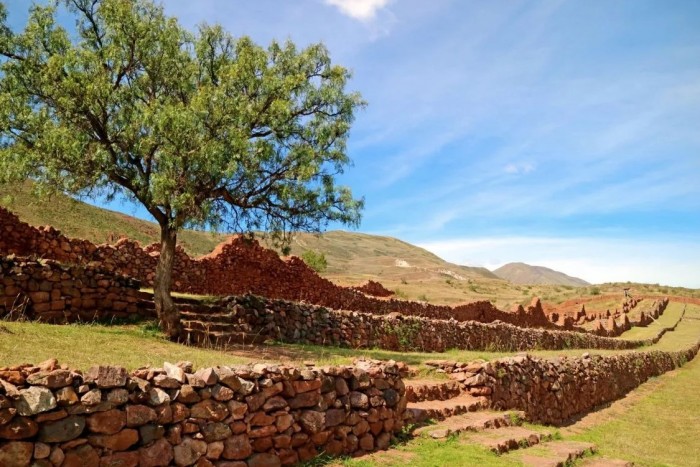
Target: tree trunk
{"type": "Point", "coordinates": [165, 307]}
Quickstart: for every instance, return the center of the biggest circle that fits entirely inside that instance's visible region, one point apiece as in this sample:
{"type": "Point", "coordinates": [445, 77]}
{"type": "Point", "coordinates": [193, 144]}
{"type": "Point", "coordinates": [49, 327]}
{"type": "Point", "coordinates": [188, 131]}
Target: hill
{"type": "Point", "coordinates": [521, 273]}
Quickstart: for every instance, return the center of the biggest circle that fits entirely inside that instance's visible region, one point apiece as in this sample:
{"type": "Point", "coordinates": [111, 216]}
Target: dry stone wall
{"type": "Point", "coordinates": [238, 266]}
{"type": "Point", "coordinates": [245, 319]}
{"type": "Point", "coordinates": [245, 416]}
{"type": "Point", "coordinates": [53, 292]}
{"type": "Point", "coordinates": [555, 391]}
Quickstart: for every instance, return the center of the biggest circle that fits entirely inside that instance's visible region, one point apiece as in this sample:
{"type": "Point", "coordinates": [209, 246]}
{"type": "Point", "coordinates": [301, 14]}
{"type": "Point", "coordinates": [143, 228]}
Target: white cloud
{"type": "Point", "coordinates": [595, 259]}
{"type": "Point", "coordinates": [362, 10]}
{"type": "Point", "coordinates": [515, 169]}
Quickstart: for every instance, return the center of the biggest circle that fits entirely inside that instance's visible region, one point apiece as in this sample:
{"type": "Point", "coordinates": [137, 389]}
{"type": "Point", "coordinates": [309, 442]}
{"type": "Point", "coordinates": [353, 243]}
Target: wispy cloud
{"type": "Point", "coordinates": [519, 168]}
{"type": "Point", "coordinates": [362, 10]}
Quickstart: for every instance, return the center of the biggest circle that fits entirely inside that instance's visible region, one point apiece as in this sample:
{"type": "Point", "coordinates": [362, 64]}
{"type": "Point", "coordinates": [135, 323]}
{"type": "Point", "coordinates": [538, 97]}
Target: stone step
{"type": "Point", "coordinates": [419, 412]}
{"type": "Point", "coordinates": [604, 462]}
{"type": "Point", "coordinates": [425, 390]}
{"type": "Point", "coordinates": [510, 438]}
{"type": "Point", "coordinates": [472, 421]}
{"type": "Point", "coordinates": [219, 339]}
{"type": "Point", "coordinates": [210, 326]}
{"type": "Point", "coordinates": [556, 453]}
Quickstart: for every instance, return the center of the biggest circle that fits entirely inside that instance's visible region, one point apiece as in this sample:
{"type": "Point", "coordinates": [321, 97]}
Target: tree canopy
{"type": "Point", "coordinates": [198, 127]}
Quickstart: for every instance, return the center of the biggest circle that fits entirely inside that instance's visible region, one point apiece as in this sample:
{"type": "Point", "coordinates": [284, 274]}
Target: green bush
{"type": "Point", "coordinates": [315, 260]}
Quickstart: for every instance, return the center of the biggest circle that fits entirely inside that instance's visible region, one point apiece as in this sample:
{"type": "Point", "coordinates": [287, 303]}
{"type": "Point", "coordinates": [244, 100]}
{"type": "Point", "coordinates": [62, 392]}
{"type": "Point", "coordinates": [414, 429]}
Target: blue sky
{"type": "Point", "coordinates": [559, 133]}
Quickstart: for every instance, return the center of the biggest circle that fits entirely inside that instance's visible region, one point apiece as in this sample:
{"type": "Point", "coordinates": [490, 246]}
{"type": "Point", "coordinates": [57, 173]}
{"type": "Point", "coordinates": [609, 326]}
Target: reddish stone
{"type": "Point", "coordinates": [312, 421]}
{"type": "Point", "coordinates": [209, 410]}
{"type": "Point", "coordinates": [108, 423]}
{"type": "Point", "coordinates": [116, 442]}
{"type": "Point", "coordinates": [283, 422]}
{"type": "Point", "coordinates": [16, 454]}
{"type": "Point", "coordinates": [306, 386]}
{"type": "Point", "coordinates": [189, 451]}
{"type": "Point", "coordinates": [282, 441]}
{"type": "Point", "coordinates": [164, 414]}
{"type": "Point", "coordinates": [261, 419]}
{"type": "Point", "coordinates": [255, 401]}
{"type": "Point", "coordinates": [121, 459]}
{"type": "Point", "coordinates": [238, 427]}
{"type": "Point", "coordinates": [14, 377]}
{"type": "Point", "coordinates": [264, 460]}
{"type": "Point", "coordinates": [107, 376]}
{"type": "Point", "coordinates": [82, 456]}
{"type": "Point", "coordinates": [179, 412]}
{"type": "Point", "coordinates": [262, 444]}
{"type": "Point", "coordinates": [306, 399]}
{"type": "Point", "coordinates": [274, 403]}
{"type": "Point", "coordinates": [263, 431]}
{"type": "Point", "coordinates": [307, 452]}
{"type": "Point", "coordinates": [215, 432]}
{"type": "Point", "coordinates": [288, 456]}
{"type": "Point", "coordinates": [237, 447]}
{"type": "Point", "coordinates": [137, 415]}
{"type": "Point", "coordinates": [320, 438]}
{"type": "Point", "coordinates": [237, 409]}
{"type": "Point", "coordinates": [160, 453]}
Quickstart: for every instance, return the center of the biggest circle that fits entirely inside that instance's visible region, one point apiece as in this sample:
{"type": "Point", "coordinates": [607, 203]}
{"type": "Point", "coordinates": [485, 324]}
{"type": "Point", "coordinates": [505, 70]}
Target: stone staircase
{"type": "Point", "coordinates": [438, 411]}
{"type": "Point", "coordinates": [214, 326]}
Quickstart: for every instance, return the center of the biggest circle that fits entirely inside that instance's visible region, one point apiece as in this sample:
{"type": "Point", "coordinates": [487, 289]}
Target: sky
{"type": "Point", "coordinates": [564, 134]}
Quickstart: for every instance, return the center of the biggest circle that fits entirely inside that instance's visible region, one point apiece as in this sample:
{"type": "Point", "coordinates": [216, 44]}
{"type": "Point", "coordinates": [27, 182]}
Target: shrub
{"type": "Point", "coordinates": [315, 260]}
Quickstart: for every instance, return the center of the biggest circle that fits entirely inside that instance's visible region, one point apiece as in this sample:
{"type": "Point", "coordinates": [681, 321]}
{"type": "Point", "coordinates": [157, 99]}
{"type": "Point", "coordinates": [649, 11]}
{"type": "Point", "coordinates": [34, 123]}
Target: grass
{"type": "Point", "coordinates": [666, 320]}
{"type": "Point", "coordinates": [83, 345]}
{"type": "Point", "coordinates": [661, 428]}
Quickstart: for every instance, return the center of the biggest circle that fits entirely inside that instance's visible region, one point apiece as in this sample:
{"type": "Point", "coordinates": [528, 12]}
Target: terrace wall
{"type": "Point", "coordinates": [261, 415]}
{"type": "Point", "coordinates": [556, 391]}
{"type": "Point", "coordinates": [57, 293]}
{"type": "Point", "coordinates": [245, 319]}
{"type": "Point", "coordinates": [237, 266]}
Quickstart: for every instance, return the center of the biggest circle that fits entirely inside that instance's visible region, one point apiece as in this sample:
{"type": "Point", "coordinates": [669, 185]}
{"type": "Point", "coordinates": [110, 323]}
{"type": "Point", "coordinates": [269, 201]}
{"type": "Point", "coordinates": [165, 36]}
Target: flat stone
{"type": "Point", "coordinates": [159, 454]}
{"type": "Point", "coordinates": [109, 422]}
{"type": "Point", "coordinates": [19, 428]}
{"type": "Point", "coordinates": [137, 415]}
{"type": "Point", "coordinates": [92, 397]}
{"type": "Point", "coordinates": [82, 456]}
{"type": "Point", "coordinates": [305, 399]}
{"type": "Point", "coordinates": [165, 381]}
{"type": "Point", "coordinates": [16, 454]}
{"type": "Point", "coordinates": [209, 410]}
{"type": "Point", "coordinates": [151, 432]}
{"type": "Point", "coordinates": [41, 450]}
{"type": "Point", "coordinates": [312, 421]}
{"type": "Point", "coordinates": [237, 447]}
{"type": "Point", "coordinates": [207, 375]}
{"type": "Point", "coordinates": [118, 396]}
{"type": "Point", "coordinates": [35, 400]}
{"type": "Point", "coordinates": [117, 442]}
{"type": "Point", "coordinates": [264, 459]}
{"type": "Point", "coordinates": [51, 379]}
{"type": "Point", "coordinates": [359, 400]}
{"type": "Point", "coordinates": [189, 451]}
{"type": "Point", "coordinates": [62, 430]}
{"type": "Point", "coordinates": [107, 376]}
{"type": "Point", "coordinates": [228, 378]}
{"type": "Point", "coordinates": [215, 432]}
{"type": "Point", "coordinates": [121, 459]}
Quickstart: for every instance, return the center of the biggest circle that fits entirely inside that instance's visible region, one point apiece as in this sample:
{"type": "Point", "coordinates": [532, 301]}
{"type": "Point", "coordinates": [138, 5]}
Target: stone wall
{"type": "Point", "coordinates": [244, 319]}
{"type": "Point", "coordinates": [556, 391]}
{"type": "Point", "coordinates": [238, 266]}
{"type": "Point", "coordinates": [244, 416]}
{"type": "Point", "coordinates": [52, 292]}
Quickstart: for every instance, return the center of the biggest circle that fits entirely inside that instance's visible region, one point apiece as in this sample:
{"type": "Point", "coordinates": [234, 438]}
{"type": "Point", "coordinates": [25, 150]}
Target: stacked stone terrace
{"type": "Point", "coordinates": [239, 266]}
{"type": "Point", "coordinates": [245, 416]}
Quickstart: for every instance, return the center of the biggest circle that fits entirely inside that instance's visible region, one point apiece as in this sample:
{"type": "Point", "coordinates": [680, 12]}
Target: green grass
{"type": "Point", "coordinates": [662, 428]}
{"type": "Point", "coordinates": [83, 345]}
{"type": "Point", "coordinates": [667, 319]}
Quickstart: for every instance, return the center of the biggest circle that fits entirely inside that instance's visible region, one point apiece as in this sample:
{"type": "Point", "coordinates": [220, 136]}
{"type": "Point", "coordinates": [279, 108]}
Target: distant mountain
{"type": "Point", "coordinates": [521, 273]}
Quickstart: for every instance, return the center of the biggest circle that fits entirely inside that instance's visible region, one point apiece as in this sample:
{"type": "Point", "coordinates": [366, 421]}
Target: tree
{"type": "Point", "coordinates": [316, 260]}
{"type": "Point", "coordinates": [201, 128]}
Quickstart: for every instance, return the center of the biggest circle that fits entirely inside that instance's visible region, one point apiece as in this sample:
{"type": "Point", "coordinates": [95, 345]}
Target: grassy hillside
{"type": "Point", "coordinates": [81, 220]}
{"type": "Point", "coordinates": [353, 258]}
{"type": "Point", "coordinates": [521, 273]}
